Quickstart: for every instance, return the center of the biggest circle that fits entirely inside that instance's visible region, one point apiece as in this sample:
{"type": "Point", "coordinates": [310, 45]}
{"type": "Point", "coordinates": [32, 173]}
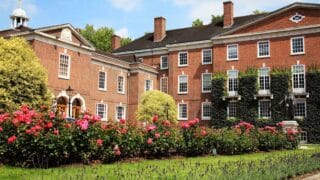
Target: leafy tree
{"type": "Point", "coordinates": [23, 80]}
{"type": "Point", "coordinates": [101, 37]}
{"type": "Point", "coordinates": [257, 11]}
{"type": "Point", "coordinates": [154, 103]}
{"type": "Point", "coordinates": [216, 18]}
{"type": "Point", "coordinates": [197, 22]}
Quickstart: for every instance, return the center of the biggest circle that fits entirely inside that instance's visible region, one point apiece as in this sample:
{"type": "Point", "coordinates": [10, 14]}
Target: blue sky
{"type": "Point", "coordinates": [129, 17]}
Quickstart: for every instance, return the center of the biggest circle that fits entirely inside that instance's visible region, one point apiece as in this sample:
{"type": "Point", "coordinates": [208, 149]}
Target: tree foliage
{"type": "Point", "coordinates": [257, 11]}
{"type": "Point", "coordinates": [216, 18]}
{"type": "Point", "coordinates": [154, 103]}
{"type": "Point", "coordinates": [23, 80]}
{"type": "Point", "coordinates": [101, 37]}
{"type": "Point", "coordinates": [197, 22]}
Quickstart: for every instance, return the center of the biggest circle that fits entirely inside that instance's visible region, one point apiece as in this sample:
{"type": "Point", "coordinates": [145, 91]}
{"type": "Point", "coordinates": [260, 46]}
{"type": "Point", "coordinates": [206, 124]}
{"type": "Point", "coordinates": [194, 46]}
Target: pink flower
{"type": "Point", "coordinates": [68, 125]}
{"type": "Point", "coordinates": [203, 132]}
{"type": "Point", "coordinates": [122, 121]}
{"type": "Point", "coordinates": [86, 117]}
{"type": "Point", "coordinates": [292, 132]}
{"type": "Point", "coordinates": [118, 152]}
{"type": "Point", "coordinates": [3, 117]}
{"type": "Point", "coordinates": [155, 118]}
{"type": "Point", "coordinates": [52, 115]}
{"type": "Point", "coordinates": [245, 125]}
{"type": "Point", "coordinates": [99, 142]}
{"type": "Point", "coordinates": [56, 132]}
{"type": "Point", "coordinates": [28, 131]}
{"type": "Point", "coordinates": [123, 131]}
{"type": "Point", "coordinates": [1, 129]}
{"type": "Point", "coordinates": [157, 135]}
{"type": "Point", "coordinates": [185, 125]}
{"type": "Point", "coordinates": [37, 127]}
{"type": "Point", "coordinates": [95, 118]}
{"type": "Point", "coordinates": [166, 123]}
{"type": "Point", "coordinates": [83, 125]}
{"type": "Point", "coordinates": [48, 125]}
{"type": "Point", "coordinates": [149, 141]}
{"type": "Point", "coordinates": [167, 133]}
{"type": "Point", "coordinates": [151, 127]}
{"type": "Point", "coordinates": [280, 124]}
{"type": "Point", "coordinates": [12, 139]}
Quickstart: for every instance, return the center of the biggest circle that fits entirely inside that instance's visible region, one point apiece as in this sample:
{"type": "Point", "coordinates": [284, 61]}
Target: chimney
{"type": "Point", "coordinates": [116, 42]}
{"type": "Point", "coordinates": [227, 14]}
{"type": "Point", "coordinates": [159, 29]}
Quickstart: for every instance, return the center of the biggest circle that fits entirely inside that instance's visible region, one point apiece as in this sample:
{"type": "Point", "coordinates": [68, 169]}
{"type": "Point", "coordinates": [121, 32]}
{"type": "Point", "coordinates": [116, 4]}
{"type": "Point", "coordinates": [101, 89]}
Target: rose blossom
{"type": "Point", "coordinates": [155, 118]}
{"type": "Point", "coordinates": [122, 121]}
{"type": "Point", "coordinates": [203, 132]}
{"type": "Point", "coordinates": [52, 115]}
{"type": "Point", "coordinates": [151, 127]}
{"type": "Point", "coordinates": [149, 141]}
{"type": "Point", "coordinates": [166, 123]}
{"type": "Point", "coordinates": [1, 129]}
{"type": "Point", "coordinates": [56, 132]}
{"type": "Point", "coordinates": [12, 139]}
{"type": "Point", "coordinates": [99, 142]}
{"type": "Point", "coordinates": [49, 125]}
{"type": "Point", "coordinates": [167, 133]}
{"type": "Point", "coordinates": [157, 135]}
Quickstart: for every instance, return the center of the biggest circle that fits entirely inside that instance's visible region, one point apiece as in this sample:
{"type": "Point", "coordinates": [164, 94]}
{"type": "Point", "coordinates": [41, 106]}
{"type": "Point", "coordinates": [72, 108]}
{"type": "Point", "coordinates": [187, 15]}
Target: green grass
{"type": "Point", "coordinates": [263, 165]}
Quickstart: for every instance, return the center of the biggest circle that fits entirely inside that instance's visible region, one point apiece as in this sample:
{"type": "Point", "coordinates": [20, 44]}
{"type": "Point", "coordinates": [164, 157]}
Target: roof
{"type": "Point", "coordinates": [19, 13]}
{"type": "Point", "coordinates": [184, 35]}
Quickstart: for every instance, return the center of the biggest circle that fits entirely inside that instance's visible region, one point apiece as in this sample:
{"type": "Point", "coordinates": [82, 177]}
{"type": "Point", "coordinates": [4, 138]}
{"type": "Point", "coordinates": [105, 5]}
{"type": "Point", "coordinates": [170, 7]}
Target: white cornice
{"type": "Point", "coordinates": [104, 63]}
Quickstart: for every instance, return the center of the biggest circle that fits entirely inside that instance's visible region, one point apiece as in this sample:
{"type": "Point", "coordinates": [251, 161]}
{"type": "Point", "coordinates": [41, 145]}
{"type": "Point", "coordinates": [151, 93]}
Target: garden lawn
{"type": "Point", "coordinates": [262, 165]}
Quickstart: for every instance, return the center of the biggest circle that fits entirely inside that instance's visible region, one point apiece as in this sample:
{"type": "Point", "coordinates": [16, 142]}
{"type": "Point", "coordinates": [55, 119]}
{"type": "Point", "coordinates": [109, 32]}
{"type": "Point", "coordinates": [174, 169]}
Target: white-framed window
{"type": "Point", "coordinates": [263, 49]}
{"type": "Point", "coordinates": [297, 45]}
{"type": "Point", "coordinates": [148, 85]}
{"type": "Point", "coordinates": [264, 80]}
{"type": "Point", "coordinates": [183, 84]}
{"type": "Point", "coordinates": [264, 109]}
{"type": "Point", "coordinates": [64, 66]}
{"type": "Point", "coordinates": [120, 112]}
{"type": "Point", "coordinates": [164, 84]}
{"type": "Point", "coordinates": [206, 82]}
{"type": "Point", "coordinates": [300, 108]}
{"type": "Point", "coordinates": [233, 82]}
{"type": "Point", "coordinates": [182, 111]}
{"type": "Point", "coordinates": [102, 80]}
{"type": "Point", "coordinates": [101, 110]}
{"type": "Point", "coordinates": [207, 56]}
{"type": "Point", "coordinates": [298, 78]}
{"type": "Point", "coordinates": [232, 109]}
{"type": "Point", "coordinates": [206, 111]}
{"type": "Point", "coordinates": [121, 84]}
{"type": "Point", "coordinates": [183, 59]}
{"type": "Point", "coordinates": [164, 63]}
{"type": "Point", "coordinates": [232, 52]}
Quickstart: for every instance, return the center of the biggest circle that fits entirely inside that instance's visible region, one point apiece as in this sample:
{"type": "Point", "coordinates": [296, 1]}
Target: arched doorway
{"type": "Point", "coordinates": [62, 105]}
{"type": "Point", "coordinates": [76, 108]}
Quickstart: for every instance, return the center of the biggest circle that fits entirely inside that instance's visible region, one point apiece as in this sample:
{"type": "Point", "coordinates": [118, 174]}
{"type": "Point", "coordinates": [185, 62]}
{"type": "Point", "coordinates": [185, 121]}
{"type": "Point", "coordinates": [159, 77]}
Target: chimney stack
{"type": "Point", "coordinates": [227, 14]}
{"type": "Point", "coordinates": [116, 42]}
{"type": "Point", "coordinates": [159, 29]}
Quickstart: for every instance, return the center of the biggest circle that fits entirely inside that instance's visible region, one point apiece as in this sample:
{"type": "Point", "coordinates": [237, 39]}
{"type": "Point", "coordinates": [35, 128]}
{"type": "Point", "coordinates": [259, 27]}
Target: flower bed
{"type": "Point", "coordinates": [39, 139]}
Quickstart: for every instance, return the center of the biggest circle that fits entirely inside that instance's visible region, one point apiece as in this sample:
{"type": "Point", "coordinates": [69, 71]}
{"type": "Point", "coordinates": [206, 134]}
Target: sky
{"type": "Point", "coordinates": [129, 18]}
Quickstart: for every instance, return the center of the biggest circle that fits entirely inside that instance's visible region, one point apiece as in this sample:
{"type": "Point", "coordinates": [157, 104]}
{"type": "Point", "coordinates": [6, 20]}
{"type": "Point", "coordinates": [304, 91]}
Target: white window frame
{"type": "Point", "coordinates": [202, 83]}
{"type": "Point", "coordinates": [123, 85]}
{"type": "Point", "coordinates": [124, 112]}
{"type": "Point", "coordinates": [232, 93]}
{"type": "Point", "coordinates": [228, 109]}
{"type": "Point", "coordinates": [304, 45]}
{"type": "Point", "coordinates": [183, 65]}
{"type": "Point", "coordinates": [145, 85]}
{"type": "Point", "coordinates": [202, 110]}
{"type": "Point", "coordinates": [259, 110]}
{"type": "Point", "coordinates": [300, 100]}
{"type": "Point", "coordinates": [182, 118]}
{"type": "Point", "coordinates": [105, 118]}
{"type": "Point", "coordinates": [105, 81]}
{"type": "Point", "coordinates": [202, 57]}
{"type": "Point", "coordinates": [179, 92]}
{"type": "Point", "coordinates": [161, 81]}
{"type": "Point", "coordinates": [264, 91]}
{"type": "Point", "coordinates": [258, 49]}
{"type": "Point", "coordinates": [69, 66]}
{"type": "Point", "coordinates": [233, 59]}
{"type": "Point", "coordinates": [298, 90]}
{"type": "Point", "coordinates": [161, 62]}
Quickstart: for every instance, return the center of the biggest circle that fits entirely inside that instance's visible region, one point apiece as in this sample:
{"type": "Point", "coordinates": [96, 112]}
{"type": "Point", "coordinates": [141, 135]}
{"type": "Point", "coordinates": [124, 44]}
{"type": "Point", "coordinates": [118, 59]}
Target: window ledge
{"type": "Point", "coordinates": [233, 59]}
{"type": "Point", "coordinates": [182, 93]}
{"type": "Point", "coordinates": [297, 54]}
{"type": "Point", "coordinates": [104, 90]}
{"type": "Point", "coordinates": [182, 119]}
{"type": "Point", "coordinates": [120, 92]}
{"type": "Point", "coordinates": [182, 65]}
{"type": "Point", "coordinates": [63, 77]}
{"type": "Point", "coordinates": [263, 57]}
{"type": "Point", "coordinates": [164, 68]}
{"type": "Point", "coordinates": [206, 63]}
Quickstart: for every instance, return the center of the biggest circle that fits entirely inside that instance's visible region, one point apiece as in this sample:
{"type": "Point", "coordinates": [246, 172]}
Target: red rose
{"type": "Point", "coordinates": [157, 135]}
{"type": "Point", "coordinates": [12, 139]}
{"type": "Point", "coordinates": [203, 132]}
{"type": "Point", "coordinates": [167, 133]}
{"type": "Point", "coordinates": [99, 142]}
{"type": "Point", "coordinates": [52, 115]}
{"type": "Point", "coordinates": [56, 132]}
{"type": "Point", "coordinates": [149, 141]}
{"type": "Point", "coordinates": [122, 121]}
{"type": "Point", "coordinates": [123, 131]}
{"type": "Point", "coordinates": [1, 129]}
{"type": "Point", "coordinates": [185, 125]}
{"type": "Point", "coordinates": [49, 125]}
{"type": "Point", "coordinates": [118, 152]}
{"type": "Point", "coordinates": [155, 118]}
{"type": "Point", "coordinates": [166, 123]}
{"type": "Point", "coordinates": [68, 126]}
{"type": "Point", "coordinates": [151, 127]}
{"type": "Point", "coordinates": [28, 131]}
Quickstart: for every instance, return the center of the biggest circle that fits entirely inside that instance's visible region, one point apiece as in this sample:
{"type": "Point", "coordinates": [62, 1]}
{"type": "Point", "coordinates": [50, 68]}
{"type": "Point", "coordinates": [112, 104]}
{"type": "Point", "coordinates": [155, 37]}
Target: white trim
{"type": "Point", "coordinates": [124, 112]}
{"type": "Point", "coordinates": [300, 100]}
{"type": "Point", "coordinates": [69, 66]}
{"type": "Point", "coordinates": [202, 82]}
{"type": "Point", "coordinates": [232, 93]}
{"type": "Point", "coordinates": [105, 111]}
{"type": "Point", "coordinates": [161, 67]}
{"type": "Point", "coordinates": [161, 81]}
{"type": "Point", "coordinates": [180, 118]}
{"type": "Point", "coordinates": [298, 90]}
{"type": "Point", "coordinates": [258, 49]}
{"type": "Point", "coordinates": [291, 45]}
{"type": "Point", "coordinates": [264, 91]}
{"type": "Point", "coordinates": [183, 65]}
{"type": "Point", "coordinates": [123, 85]}
{"type": "Point", "coordinates": [105, 81]}
{"type": "Point", "coordinates": [228, 109]}
{"type": "Point", "coordinates": [202, 117]}
{"type": "Point", "coordinates": [179, 92]}
{"type": "Point", "coordinates": [259, 112]}
{"type": "Point", "coordinates": [205, 63]}
{"type": "Point", "coordinates": [232, 59]}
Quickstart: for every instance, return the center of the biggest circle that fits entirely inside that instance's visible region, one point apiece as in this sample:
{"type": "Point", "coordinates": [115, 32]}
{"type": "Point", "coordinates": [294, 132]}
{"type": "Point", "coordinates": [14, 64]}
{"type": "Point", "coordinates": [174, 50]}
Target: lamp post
{"type": "Point", "coordinates": [167, 110]}
{"type": "Point", "coordinates": [69, 90]}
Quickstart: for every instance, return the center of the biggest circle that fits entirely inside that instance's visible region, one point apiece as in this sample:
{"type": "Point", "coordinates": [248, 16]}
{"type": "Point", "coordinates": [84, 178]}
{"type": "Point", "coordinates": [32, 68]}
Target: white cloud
{"type": "Point", "coordinates": [126, 5]}
{"type": "Point", "coordinates": [123, 32]}
{"type": "Point", "coordinates": [29, 6]}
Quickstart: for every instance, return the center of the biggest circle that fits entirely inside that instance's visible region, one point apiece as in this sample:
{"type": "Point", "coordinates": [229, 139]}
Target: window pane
{"type": "Point", "coordinates": [148, 85]}
{"type": "Point", "coordinates": [206, 82]}
{"type": "Point", "coordinates": [264, 109]}
{"type": "Point", "coordinates": [164, 84]}
{"type": "Point", "coordinates": [64, 66]}
{"type": "Point", "coordinates": [183, 84]}
{"type": "Point", "coordinates": [120, 84]}
{"type": "Point", "coordinates": [300, 109]}
{"type": "Point", "coordinates": [233, 80]}
{"type": "Point", "coordinates": [183, 58]}
{"type": "Point", "coordinates": [206, 110]}
{"type": "Point", "coordinates": [101, 110]}
{"type": "Point", "coordinates": [298, 76]}
{"type": "Point", "coordinates": [263, 48]}
{"type": "Point", "coordinates": [232, 51]}
{"type": "Point", "coordinates": [102, 80]}
{"type": "Point", "coordinates": [207, 56]}
{"type": "Point", "coordinates": [297, 45]}
{"type": "Point", "coordinates": [232, 109]}
{"type": "Point", "coordinates": [164, 62]}
{"type": "Point", "coordinates": [120, 112]}
{"type": "Point", "coordinates": [183, 111]}
{"type": "Point", "coordinates": [264, 79]}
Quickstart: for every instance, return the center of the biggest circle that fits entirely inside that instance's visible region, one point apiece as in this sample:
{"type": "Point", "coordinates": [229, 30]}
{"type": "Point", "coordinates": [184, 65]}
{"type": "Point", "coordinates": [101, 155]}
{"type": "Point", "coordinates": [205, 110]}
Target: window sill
{"type": "Point", "coordinates": [65, 78]}
{"type": "Point", "coordinates": [233, 59]}
{"type": "Point", "coordinates": [104, 90]}
{"type": "Point", "coordinates": [206, 63]}
{"type": "Point", "coordinates": [205, 119]}
{"type": "Point", "coordinates": [121, 93]}
{"type": "Point", "coordinates": [164, 68]}
{"type": "Point", "coordinates": [183, 65]}
{"type": "Point", "coordinates": [182, 119]}
{"type": "Point", "coordinates": [206, 92]}
{"type": "Point", "coordinates": [182, 93]}
{"type": "Point", "coordinates": [263, 57]}
{"type": "Point", "coordinates": [297, 54]}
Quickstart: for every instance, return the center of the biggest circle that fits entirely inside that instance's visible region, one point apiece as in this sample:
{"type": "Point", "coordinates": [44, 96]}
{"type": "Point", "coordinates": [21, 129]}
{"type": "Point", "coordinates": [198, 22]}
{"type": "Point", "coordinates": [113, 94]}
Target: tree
{"type": "Point", "coordinates": [197, 22]}
{"type": "Point", "coordinates": [101, 37]}
{"type": "Point", "coordinates": [23, 80]}
{"type": "Point", "coordinates": [216, 18]}
{"type": "Point", "coordinates": [155, 103]}
{"type": "Point", "coordinates": [259, 12]}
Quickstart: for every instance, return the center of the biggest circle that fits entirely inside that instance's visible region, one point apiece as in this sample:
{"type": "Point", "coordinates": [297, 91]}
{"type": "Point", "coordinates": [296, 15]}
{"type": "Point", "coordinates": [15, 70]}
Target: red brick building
{"type": "Point", "coordinates": [186, 58]}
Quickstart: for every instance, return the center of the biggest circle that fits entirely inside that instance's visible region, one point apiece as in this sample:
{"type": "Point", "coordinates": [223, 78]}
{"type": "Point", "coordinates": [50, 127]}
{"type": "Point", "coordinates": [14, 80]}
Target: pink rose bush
{"type": "Point", "coordinates": [42, 139]}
